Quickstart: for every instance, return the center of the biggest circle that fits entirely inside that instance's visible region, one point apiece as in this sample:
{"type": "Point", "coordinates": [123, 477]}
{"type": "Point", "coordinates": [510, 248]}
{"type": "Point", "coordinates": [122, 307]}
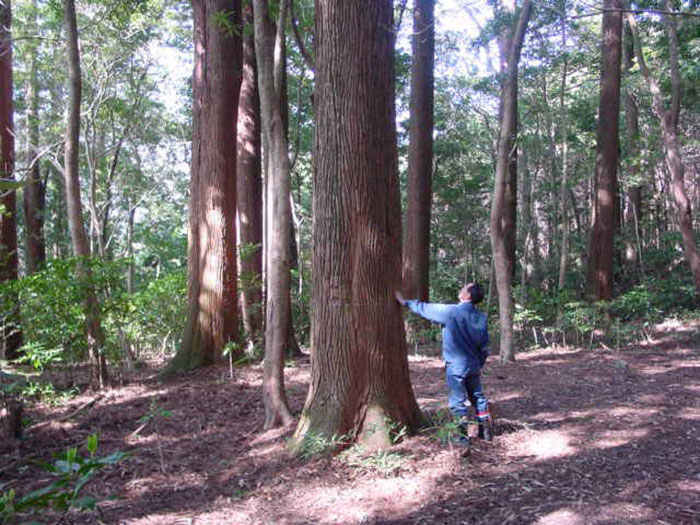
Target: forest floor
{"type": "Point", "coordinates": [583, 437]}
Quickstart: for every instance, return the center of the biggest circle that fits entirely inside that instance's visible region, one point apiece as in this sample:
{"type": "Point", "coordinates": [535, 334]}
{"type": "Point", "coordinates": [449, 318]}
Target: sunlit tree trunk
{"type": "Point", "coordinates": [603, 225]}
{"type": "Point", "coordinates": [211, 319]}
{"type": "Point", "coordinates": [502, 223]}
{"type": "Point", "coordinates": [269, 37]}
{"type": "Point", "coordinates": [95, 335]}
{"type": "Point", "coordinates": [359, 369]}
{"type": "Point", "coordinates": [668, 120]}
{"type": "Point", "coordinates": [416, 254]}
{"type": "Point", "coordinates": [10, 336]}
{"type": "Point", "coordinates": [249, 178]}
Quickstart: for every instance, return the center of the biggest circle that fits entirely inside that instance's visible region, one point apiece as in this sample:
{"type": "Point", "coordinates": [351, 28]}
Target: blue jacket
{"type": "Point", "coordinates": [465, 336]}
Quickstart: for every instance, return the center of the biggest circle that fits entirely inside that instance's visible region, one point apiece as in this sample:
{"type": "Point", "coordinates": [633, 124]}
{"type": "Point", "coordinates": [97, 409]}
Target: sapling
{"type": "Point", "coordinates": [155, 413]}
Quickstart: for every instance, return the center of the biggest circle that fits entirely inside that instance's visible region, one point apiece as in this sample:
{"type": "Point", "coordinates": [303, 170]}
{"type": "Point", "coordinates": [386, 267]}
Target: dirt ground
{"type": "Point", "coordinates": [583, 437]}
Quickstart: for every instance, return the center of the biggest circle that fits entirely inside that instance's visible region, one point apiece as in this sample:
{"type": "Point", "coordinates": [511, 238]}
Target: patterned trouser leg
{"type": "Point", "coordinates": [475, 392]}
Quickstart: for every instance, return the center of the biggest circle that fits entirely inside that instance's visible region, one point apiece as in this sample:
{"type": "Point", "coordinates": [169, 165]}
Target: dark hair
{"type": "Point", "coordinates": [474, 290]}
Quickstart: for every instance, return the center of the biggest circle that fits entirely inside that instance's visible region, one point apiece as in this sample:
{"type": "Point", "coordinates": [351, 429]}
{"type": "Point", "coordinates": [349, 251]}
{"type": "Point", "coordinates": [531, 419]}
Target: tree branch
{"type": "Point", "coordinates": [308, 58]}
{"type": "Point", "coordinates": [598, 11]}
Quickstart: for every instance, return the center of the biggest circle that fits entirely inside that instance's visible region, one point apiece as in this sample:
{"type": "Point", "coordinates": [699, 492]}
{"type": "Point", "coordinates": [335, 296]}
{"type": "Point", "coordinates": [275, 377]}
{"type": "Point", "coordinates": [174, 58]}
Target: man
{"type": "Point", "coordinates": [465, 347]}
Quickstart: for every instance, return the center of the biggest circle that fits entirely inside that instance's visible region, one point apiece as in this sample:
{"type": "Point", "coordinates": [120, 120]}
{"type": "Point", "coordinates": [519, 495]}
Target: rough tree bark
{"type": "Point", "coordinates": [268, 50]}
{"type": "Point", "coordinates": [34, 191]}
{"type": "Point", "coordinates": [93, 326]}
{"type": "Point", "coordinates": [10, 335]}
{"type": "Point", "coordinates": [249, 178]}
{"type": "Point", "coordinates": [359, 368]}
{"type": "Point", "coordinates": [416, 253]}
{"type": "Point", "coordinates": [211, 319]}
{"type": "Point", "coordinates": [501, 222]}
{"type": "Point", "coordinates": [668, 120]}
{"type": "Point", "coordinates": [602, 237]}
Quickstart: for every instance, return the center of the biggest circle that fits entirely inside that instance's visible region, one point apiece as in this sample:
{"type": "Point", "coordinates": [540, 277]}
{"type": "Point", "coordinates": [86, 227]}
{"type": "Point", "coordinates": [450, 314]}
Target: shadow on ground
{"type": "Point", "coordinates": [585, 437]}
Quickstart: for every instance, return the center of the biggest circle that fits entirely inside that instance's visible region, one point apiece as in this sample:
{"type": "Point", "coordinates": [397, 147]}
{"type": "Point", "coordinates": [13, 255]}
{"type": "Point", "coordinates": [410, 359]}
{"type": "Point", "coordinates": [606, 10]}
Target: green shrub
{"type": "Point", "coordinates": [71, 472]}
{"type": "Point", "coordinates": [52, 308]}
{"type": "Point", "coordinates": [155, 316]}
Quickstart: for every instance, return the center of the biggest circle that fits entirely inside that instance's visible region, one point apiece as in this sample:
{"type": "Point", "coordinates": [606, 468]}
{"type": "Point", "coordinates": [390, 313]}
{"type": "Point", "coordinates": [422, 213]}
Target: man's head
{"type": "Point", "coordinates": [471, 293]}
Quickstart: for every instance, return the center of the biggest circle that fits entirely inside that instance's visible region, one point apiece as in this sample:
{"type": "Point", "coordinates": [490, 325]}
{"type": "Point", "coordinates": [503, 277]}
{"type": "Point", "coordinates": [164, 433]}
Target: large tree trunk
{"type": "Point", "coordinates": [93, 326]}
{"type": "Point", "coordinates": [601, 243]}
{"type": "Point", "coordinates": [668, 120]}
{"type": "Point", "coordinates": [416, 255]}
{"type": "Point", "coordinates": [269, 38]}
{"type": "Point", "coordinates": [360, 383]}
{"type": "Point", "coordinates": [10, 336]}
{"type": "Point", "coordinates": [211, 319]}
{"type": "Point", "coordinates": [34, 191]}
{"type": "Point", "coordinates": [502, 222]}
{"type": "Point", "coordinates": [249, 179]}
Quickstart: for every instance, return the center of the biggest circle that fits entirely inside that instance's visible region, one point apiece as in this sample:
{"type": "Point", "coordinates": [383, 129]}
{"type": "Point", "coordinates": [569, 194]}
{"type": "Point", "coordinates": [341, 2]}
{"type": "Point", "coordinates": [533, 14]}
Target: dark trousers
{"type": "Point", "coordinates": [463, 387]}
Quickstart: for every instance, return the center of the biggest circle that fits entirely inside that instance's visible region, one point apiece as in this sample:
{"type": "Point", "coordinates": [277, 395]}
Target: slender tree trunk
{"type": "Point", "coordinates": [95, 336]}
{"type": "Point", "coordinates": [34, 191]}
{"type": "Point", "coordinates": [250, 186]}
{"type": "Point", "coordinates": [633, 215]}
{"type": "Point", "coordinates": [416, 256]}
{"type": "Point", "coordinates": [527, 228]}
{"type": "Point", "coordinates": [360, 383]}
{"type": "Point", "coordinates": [269, 38]}
{"type": "Point", "coordinates": [564, 131]}
{"type": "Point", "coordinates": [10, 333]}
{"type": "Point", "coordinates": [602, 237]}
{"type": "Point", "coordinates": [212, 273]}
{"type": "Point", "coordinates": [501, 222]}
{"type": "Point", "coordinates": [668, 119]}
{"type": "Point", "coordinates": [130, 271]}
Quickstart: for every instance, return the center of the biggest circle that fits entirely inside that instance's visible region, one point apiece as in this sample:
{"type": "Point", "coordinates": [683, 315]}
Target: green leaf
{"type": "Point", "coordinates": [9, 184]}
{"type": "Point", "coordinates": [92, 444]}
{"type": "Point", "coordinates": [113, 459]}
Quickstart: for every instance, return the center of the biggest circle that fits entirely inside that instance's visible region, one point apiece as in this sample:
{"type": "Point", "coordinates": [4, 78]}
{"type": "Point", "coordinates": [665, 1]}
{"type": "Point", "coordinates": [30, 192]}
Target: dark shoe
{"type": "Point", "coordinates": [485, 432]}
{"type": "Point", "coordinates": [463, 437]}
{"type": "Point", "coordinates": [462, 441]}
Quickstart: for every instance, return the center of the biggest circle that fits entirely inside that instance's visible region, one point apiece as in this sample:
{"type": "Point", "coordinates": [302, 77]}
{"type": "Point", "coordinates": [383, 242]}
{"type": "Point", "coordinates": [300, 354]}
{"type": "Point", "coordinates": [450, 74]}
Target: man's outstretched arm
{"type": "Point", "coordinates": [438, 313]}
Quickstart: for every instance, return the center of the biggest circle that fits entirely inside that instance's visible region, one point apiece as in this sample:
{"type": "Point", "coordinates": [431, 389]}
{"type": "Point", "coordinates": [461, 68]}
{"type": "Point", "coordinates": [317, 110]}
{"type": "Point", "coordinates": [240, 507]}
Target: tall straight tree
{"type": "Point", "coordinates": [510, 194]}
{"type": "Point", "coordinates": [34, 191]}
{"type": "Point", "coordinates": [95, 335]}
{"type": "Point", "coordinates": [212, 273]}
{"type": "Point", "coordinates": [249, 178]}
{"type": "Point", "coordinates": [416, 256]}
{"type": "Point", "coordinates": [563, 132]}
{"type": "Point", "coordinates": [502, 224]}
{"type": "Point", "coordinates": [601, 243]}
{"type": "Point", "coordinates": [633, 210]}
{"type": "Point", "coordinates": [11, 336]}
{"type": "Point", "coordinates": [269, 41]}
{"type": "Point", "coordinates": [668, 120]}
{"type": "Point", "coordinates": [359, 366]}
